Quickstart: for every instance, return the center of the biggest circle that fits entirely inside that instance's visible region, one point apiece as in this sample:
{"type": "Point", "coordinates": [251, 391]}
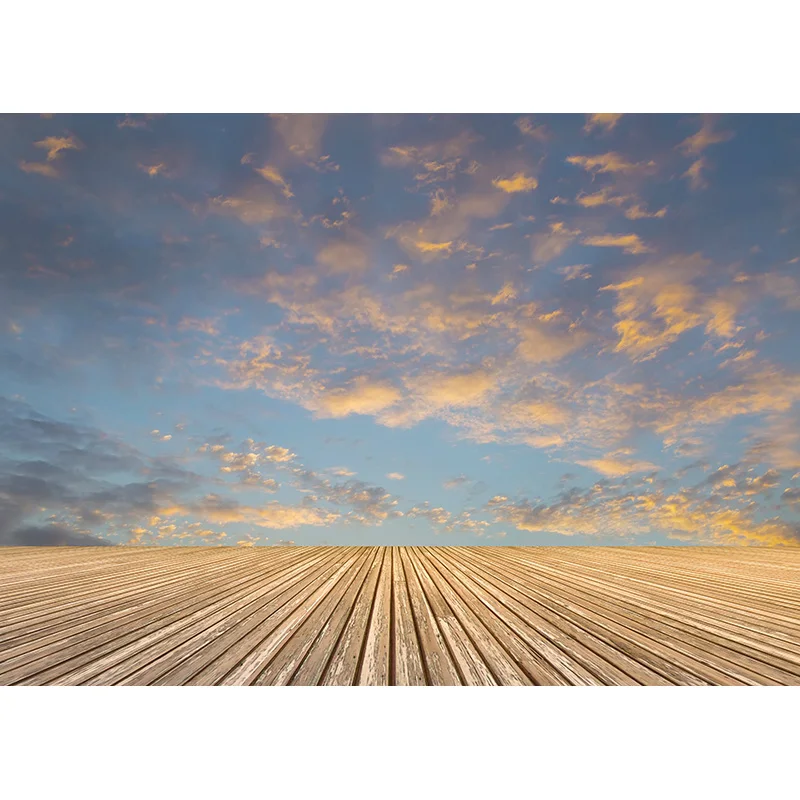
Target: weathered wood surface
{"type": "Point", "coordinates": [400, 616]}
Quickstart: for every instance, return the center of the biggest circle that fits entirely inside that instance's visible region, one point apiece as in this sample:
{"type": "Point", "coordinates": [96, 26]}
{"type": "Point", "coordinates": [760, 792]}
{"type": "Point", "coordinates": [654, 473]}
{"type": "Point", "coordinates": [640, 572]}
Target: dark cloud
{"type": "Point", "coordinates": [66, 469]}
{"type": "Point", "coordinates": [52, 536]}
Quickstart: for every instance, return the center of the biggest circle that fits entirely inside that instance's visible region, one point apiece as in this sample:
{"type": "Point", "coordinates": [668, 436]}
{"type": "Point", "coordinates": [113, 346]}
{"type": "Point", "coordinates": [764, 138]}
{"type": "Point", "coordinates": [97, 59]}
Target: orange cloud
{"type": "Point", "coordinates": [542, 344]}
{"type": "Point", "coordinates": [659, 302]}
{"type": "Point", "coordinates": [601, 198]}
{"type": "Point", "coordinates": [435, 157]}
{"type": "Point", "coordinates": [252, 209]}
{"type": "Point", "coordinates": [605, 121]}
{"type": "Point", "coordinates": [528, 128]}
{"type": "Point", "coordinates": [272, 175]}
{"type": "Point", "coordinates": [705, 137]}
{"type": "Point", "coordinates": [153, 170]}
{"type": "Point", "coordinates": [57, 144]}
{"type": "Point", "coordinates": [630, 242]}
{"type": "Point", "coordinates": [437, 235]}
{"type": "Point", "coordinates": [464, 389]}
{"type": "Point", "coordinates": [362, 396]}
{"type": "Point", "coordinates": [610, 162]}
{"type": "Point", "coordinates": [519, 182]}
{"type": "Point", "coordinates": [39, 168]}
{"type": "Point", "coordinates": [541, 412]}
{"type": "Point", "coordinates": [613, 467]}
{"type": "Point", "coordinates": [695, 175]}
{"type": "Point", "coordinates": [640, 212]}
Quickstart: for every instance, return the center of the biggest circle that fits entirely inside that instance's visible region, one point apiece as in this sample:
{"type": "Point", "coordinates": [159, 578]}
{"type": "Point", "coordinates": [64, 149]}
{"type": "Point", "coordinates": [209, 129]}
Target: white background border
{"type": "Point", "coordinates": [438, 57]}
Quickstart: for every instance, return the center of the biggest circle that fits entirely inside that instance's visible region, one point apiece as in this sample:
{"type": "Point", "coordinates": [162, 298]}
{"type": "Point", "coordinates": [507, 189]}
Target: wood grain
{"type": "Point", "coordinates": [407, 616]}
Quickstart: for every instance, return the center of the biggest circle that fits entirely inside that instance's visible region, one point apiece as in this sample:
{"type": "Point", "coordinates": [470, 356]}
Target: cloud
{"type": "Point", "coordinates": [55, 145]}
{"type": "Point", "coordinates": [640, 508]}
{"type": "Point", "coordinates": [660, 301]}
{"type": "Point", "coordinates": [435, 514]}
{"type": "Point", "coordinates": [272, 175]}
{"type": "Point", "coordinates": [301, 133]}
{"type": "Point", "coordinates": [252, 208]}
{"type": "Point", "coordinates": [540, 412]}
{"type": "Point", "coordinates": [362, 396]}
{"type": "Point", "coordinates": [543, 343]}
{"type": "Point", "coordinates": [153, 170]}
{"type": "Point", "coordinates": [776, 443]}
{"type": "Point", "coordinates": [395, 476]}
{"type": "Point", "coordinates": [601, 198]}
{"type": "Point", "coordinates": [705, 137]}
{"type": "Point", "coordinates": [640, 212]}
{"type": "Point", "coordinates": [81, 476]}
{"type": "Point", "coordinates": [279, 455]}
{"type": "Point", "coordinates": [695, 175]}
{"type": "Point", "coordinates": [438, 234]}
{"type": "Point", "coordinates": [52, 536]}
{"type": "Point", "coordinates": [130, 121]}
{"type": "Point", "coordinates": [39, 168]}
{"type": "Point", "coordinates": [606, 122]}
{"type": "Point", "coordinates": [547, 246]}
{"type": "Point", "coordinates": [207, 326]}
{"type": "Point", "coordinates": [239, 462]}
{"type": "Point", "coordinates": [574, 271]}
{"type": "Point", "coordinates": [442, 156]}
{"type": "Point", "coordinates": [610, 162]}
{"type": "Point", "coordinates": [462, 389]}
{"type": "Point", "coordinates": [345, 257]}
{"type": "Point", "coordinates": [616, 467]}
{"type": "Point", "coordinates": [368, 504]}
{"type": "Point", "coordinates": [630, 242]}
{"type": "Point", "coordinates": [528, 128]}
{"type": "Point", "coordinates": [273, 514]}
{"type": "Point", "coordinates": [519, 182]}
{"type": "Point", "coordinates": [766, 390]}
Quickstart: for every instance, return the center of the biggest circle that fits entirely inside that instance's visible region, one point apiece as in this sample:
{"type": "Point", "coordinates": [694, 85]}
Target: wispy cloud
{"type": "Point", "coordinates": [605, 122]}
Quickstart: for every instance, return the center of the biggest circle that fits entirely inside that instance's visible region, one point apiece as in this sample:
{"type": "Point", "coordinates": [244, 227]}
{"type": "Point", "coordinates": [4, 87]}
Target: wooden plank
{"type": "Point", "coordinates": [409, 669]}
{"type": "Point", "coordinates": [376, 665]}
{"type": "Point", "coordinates": [440, 668]}
{"type": "Point", "coordinates": [674, 659]}
{"type": "Point", "coordinates": [314, 627]}
{"type": "Point", "coordinates": [472, 669]}
{"type": "Point", "coordinates": [753, 635]}
{"type": "Point", "coordinates": [285, 622]}
{"type": "Point", "coordinates": [68, 667]}
{"type": "Point", "coordinates": [575, 656]}
{"type": "Point", "coordinates": [343, 669]}
{"type": "Point", "coordinates": [93, 620]}
{"type": "Point", "coordinates": [312, 669]}
{"type": "Point", "coordinates": [526, 648]}
{"type": "Point", "coordinates": [217, 643]}
{"type": "Point", "coordinates": [682, 629]}
{"type": "Point", "coordinates": [400, 616]}
{"type": "Point", "coordinates": [76, 615]}
{"type": "Point", "coordinates": [498, 661]}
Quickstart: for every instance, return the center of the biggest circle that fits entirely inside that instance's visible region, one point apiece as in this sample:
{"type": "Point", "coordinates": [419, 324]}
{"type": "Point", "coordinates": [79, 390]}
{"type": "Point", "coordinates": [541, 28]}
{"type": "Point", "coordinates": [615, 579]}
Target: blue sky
{"type": "Point", "coordinates": [490, 329]}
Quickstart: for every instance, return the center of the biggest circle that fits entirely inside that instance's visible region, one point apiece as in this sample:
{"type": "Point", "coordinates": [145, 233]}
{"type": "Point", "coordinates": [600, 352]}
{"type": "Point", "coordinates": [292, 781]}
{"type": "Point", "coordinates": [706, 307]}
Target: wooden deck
{"type": "Point", "coordinates": [399, 615]}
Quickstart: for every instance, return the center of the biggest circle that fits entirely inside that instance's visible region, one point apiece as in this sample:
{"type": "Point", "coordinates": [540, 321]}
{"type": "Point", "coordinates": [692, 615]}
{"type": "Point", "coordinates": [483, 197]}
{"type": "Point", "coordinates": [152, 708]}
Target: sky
{"type": "Point", "coordinates": [406, 329]}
